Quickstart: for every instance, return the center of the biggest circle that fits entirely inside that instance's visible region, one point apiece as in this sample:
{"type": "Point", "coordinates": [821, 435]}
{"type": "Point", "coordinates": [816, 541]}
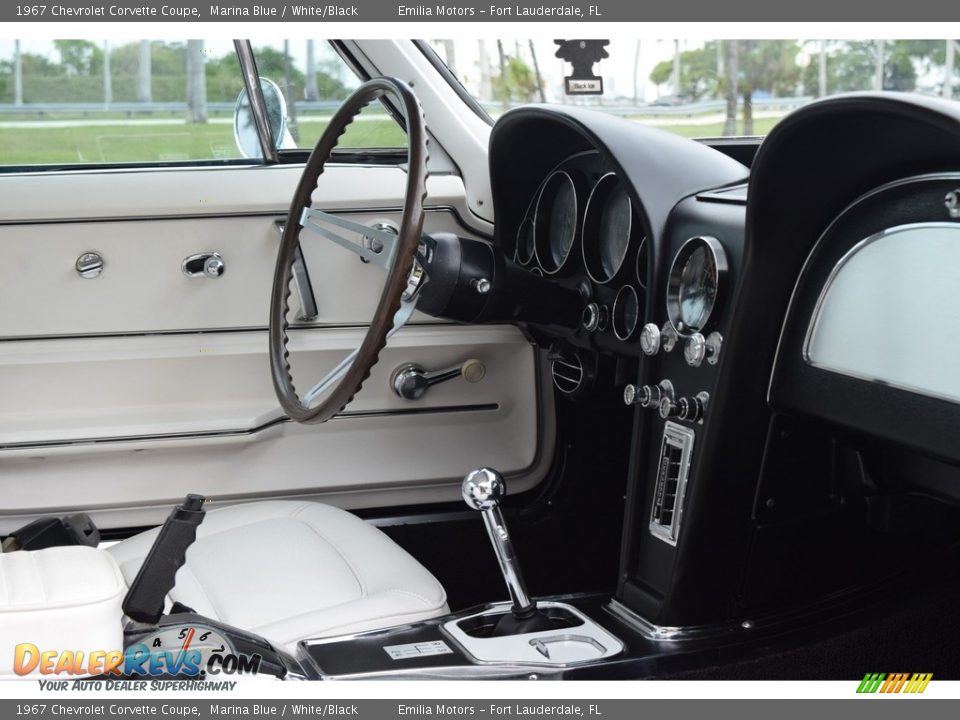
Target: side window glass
{"type": "Point", "coordinates": [90, 102]}
{"type": "Point", "coordinates": [314, 81]}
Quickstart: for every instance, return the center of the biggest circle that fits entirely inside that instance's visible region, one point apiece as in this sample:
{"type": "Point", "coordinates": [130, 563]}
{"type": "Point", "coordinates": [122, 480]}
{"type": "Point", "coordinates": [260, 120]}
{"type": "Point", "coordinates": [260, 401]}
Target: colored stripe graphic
{"type": "Point", "coordinates": [894, 683]}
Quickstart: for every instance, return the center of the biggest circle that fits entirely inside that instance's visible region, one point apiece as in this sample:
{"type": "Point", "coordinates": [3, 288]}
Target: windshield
{"type": "Point", "coordinates": [694, 88]}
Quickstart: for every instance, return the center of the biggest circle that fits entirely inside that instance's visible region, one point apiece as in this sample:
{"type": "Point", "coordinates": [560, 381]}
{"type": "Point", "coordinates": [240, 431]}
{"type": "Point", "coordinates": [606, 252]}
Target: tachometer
{"type": "Point", "coordinates": [693, 287]}
{"type": "Point", "coordinates": [607, 224]}
{"type": "Point", "coordinates": [555, 224]}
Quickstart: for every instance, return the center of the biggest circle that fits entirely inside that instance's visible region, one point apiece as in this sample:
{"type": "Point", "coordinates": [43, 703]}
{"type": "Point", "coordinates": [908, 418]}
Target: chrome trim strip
{"type": "Point", "coordinates": [816, 246]}
{"type": "Point", "coordinates": [240, 432]}
{"type": "Point", "coordinates": [671, 633]}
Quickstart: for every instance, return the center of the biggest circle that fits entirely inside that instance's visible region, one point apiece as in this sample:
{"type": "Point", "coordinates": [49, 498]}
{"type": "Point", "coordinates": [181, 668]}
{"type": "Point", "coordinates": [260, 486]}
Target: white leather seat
{"type": "Point", "coordinates": [291, 570]}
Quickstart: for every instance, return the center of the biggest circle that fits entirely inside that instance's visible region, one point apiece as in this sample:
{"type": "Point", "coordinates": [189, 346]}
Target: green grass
{"type": "Point", "coordinates": [761, 126]}
{"type": "Point", "coordinates": [126, 142]}
{"type": "Point", "coordinates": [158, 143]}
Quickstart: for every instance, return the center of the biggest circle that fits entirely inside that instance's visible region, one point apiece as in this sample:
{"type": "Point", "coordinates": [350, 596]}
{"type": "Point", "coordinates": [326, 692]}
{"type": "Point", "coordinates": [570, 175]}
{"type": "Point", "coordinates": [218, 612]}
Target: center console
{"type": "Point", "coordinates": [516, 639]}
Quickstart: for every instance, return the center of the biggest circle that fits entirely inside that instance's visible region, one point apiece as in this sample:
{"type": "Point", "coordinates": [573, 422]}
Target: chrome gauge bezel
{"type": "Point", "coordinates": [522, 257]}
{"type": "Point", "coordinates": [641, 264]}
{"type": "Point", "coordinates": [592, 220]}
{"type": "Point", "coordinates": [674, 281]}
{"type": "Point", "coordinates": [542, 235]}
{"type": "Point", "coordinates": [625, 294]}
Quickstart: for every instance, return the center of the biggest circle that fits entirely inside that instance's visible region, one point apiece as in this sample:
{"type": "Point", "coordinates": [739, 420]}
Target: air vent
{"type": "Point", "coordinates": [676, 451]}
{"type": "Point", "coordinates": [568, 373]}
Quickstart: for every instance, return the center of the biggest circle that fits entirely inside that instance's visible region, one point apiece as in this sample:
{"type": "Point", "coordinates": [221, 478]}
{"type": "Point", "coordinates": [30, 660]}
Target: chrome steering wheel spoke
{"type": "Point", "coordinates": [400, 318]}
{"type": "Point", "coordinates": [375, 246]}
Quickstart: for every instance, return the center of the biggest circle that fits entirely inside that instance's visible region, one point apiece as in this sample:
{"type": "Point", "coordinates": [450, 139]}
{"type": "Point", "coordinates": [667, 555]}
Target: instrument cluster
{"type": "Point", "coordinates": [581, 228]}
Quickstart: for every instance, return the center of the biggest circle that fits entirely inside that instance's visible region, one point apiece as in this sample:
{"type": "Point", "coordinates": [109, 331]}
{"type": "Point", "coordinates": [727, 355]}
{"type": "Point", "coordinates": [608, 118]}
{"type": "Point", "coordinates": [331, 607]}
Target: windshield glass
{"type": "Point", "coordinates": [694, 88]}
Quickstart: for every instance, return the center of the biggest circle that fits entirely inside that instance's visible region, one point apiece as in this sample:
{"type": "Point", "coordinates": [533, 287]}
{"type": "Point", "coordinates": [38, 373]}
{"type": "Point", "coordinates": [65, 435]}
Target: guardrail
{"type": "Point", "coordinates": [139, 108]}
{"type": "Point", "coordinates": [702, 107]}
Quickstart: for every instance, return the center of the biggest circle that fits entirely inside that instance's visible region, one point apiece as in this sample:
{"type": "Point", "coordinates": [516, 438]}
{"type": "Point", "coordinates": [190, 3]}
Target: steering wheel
{"type": "Point", "coordinates": [392, 253]}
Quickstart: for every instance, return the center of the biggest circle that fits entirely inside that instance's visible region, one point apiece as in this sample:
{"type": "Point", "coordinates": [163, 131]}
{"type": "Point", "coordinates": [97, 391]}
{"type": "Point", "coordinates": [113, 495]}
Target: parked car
{"type": "Point", "coordinates": [561, 396]}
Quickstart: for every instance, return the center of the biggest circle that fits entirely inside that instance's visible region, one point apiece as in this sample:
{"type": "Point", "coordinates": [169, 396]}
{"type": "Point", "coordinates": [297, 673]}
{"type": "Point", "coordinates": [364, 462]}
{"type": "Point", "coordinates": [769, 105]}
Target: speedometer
{"type": "Point", "coordinates": [694, 284]}
{"type": "Point", "coordinates": [607, 224]}
{"type": "Point", "coordinates": [555, 224]}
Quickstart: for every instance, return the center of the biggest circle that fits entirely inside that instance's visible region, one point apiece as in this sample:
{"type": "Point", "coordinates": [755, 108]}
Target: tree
{"type": "Point", "coordinates": [698, 73]}
{"type": "Point", "coordinates": [731, 70]}
{"type": "Point", "coordinates": [766, 65]}
{"type": "Point", "coordinates": [852, 65]}
{"type": "Point", "coordinates": [79, 57]}
{"type": "Point", "coordinates": [144, 87]}
{"type": "Point", "coordinates": [196, 83]}
{"type": "Point", "coordinates": [517, 83]}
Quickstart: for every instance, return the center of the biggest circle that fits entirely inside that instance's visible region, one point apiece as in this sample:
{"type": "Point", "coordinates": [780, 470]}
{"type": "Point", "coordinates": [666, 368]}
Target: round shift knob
{"type": "Point", "coordinates": [483, 488]}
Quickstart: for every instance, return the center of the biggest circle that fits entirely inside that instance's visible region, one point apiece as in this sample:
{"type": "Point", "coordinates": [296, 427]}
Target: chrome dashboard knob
{"type": "Point", "coordinates": [695, 350]}
{"type": "Point", "coordinates": [668, 408]}
{"type": "Point", "coordinates": [631, 394]}
{"type": "Point", "coordinates": [591, 317]}
{"type": "Point", "coordinates": [650, 339]}
{"type": "Point", "coordinates": [714, 343]}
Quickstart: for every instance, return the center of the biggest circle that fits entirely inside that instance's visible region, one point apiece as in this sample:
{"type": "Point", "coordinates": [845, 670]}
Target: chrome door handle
{"type": "Point", "coordinates": [411, 381]}
{"type": "Point", "coordinates": [206, 264]}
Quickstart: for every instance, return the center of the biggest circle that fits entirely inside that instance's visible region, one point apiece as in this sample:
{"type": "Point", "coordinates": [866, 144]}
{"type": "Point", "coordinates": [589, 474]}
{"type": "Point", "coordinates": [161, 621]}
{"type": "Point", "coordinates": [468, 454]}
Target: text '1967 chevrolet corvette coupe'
{"type": "Point", "coordinates": [557, 396]}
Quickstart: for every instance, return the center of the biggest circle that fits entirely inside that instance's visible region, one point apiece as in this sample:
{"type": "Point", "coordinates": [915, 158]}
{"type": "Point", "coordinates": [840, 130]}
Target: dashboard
{"type": "Point", "coordinates": [720, 301]}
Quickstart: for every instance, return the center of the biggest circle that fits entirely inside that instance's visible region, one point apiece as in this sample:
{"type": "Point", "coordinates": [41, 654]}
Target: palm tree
{"type": "Point", "coordinates": [17, 74]}
{"type": "Point", "coordinates": [311, 91]}
{"type": "Point", "coordinates": [730, 87]}
{"type": "Point", "coordinates": [107, 81]}
{"type": "Point", "coordinates": [196, 83]}
{"type": "Point", "coordinates": [144, 90]}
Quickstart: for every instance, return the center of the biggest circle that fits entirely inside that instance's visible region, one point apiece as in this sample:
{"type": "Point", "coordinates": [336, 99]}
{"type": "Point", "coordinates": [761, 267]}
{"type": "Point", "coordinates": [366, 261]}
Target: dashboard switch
{"type": "Point", "coordinates": [692, 409]}
{"type": "Point", "coordinates": [714, 343]}
{"type": "Point", "coordinates": [650, 339]}
{"type": "Point", "coordinates": [695, 350]}
{"type": "Point", "coordinates": [668, 408]}
{"type": "Point", "coordinates": [591, 317]}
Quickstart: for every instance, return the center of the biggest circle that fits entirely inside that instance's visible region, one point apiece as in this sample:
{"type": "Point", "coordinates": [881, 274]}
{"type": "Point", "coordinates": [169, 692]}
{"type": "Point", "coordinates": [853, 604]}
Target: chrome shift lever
{"type": "Point", "coordinates": [483, 489]}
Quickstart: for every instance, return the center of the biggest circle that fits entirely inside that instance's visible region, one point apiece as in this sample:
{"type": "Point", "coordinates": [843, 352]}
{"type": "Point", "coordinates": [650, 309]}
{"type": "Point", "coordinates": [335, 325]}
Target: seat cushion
{"type": "Point", "coordinates": [60, 598]}
{"type": "Point", "coordinates": [291, 570]}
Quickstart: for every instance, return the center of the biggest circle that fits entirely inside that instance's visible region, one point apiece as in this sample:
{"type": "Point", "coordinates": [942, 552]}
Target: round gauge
{"type": "Point", "coordinates": [555, 224]}
{"type": "Point", "coordinates": [642, 263]}
{"type": "Point", "coordinates": [525, 249]}
{"type": "Point", "coordinates": [693, 286]}
{"type": "Point", "coordinates": [626, 313]}
{"type": "Point", "coordinates": [607, 223]}
{"type": "Point", "coordinates": [192, 644]}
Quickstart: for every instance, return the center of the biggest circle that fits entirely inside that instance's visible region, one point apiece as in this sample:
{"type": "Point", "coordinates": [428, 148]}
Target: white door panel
{"type": "Point", "coordinates": [124, 392]}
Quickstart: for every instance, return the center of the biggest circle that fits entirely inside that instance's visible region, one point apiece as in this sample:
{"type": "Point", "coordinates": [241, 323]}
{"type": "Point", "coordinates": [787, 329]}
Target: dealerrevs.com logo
{"type": "Point", "coordinates": [887, 683]}
{"type": "Point", "coordinates": [192, 651]}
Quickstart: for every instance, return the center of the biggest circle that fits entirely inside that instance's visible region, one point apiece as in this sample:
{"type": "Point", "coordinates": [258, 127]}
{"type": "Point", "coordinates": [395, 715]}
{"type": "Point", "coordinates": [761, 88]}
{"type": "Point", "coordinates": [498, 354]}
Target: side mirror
{"type": "Point", "coordinates": [245, 128]}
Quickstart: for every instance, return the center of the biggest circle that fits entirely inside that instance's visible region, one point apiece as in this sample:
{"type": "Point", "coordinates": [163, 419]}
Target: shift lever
{"type": "Point", "coordinates": [483, 489]}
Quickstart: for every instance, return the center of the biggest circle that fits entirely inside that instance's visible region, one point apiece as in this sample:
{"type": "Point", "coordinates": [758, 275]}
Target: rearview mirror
{"type": "Point", "coordinates": [245, 127]}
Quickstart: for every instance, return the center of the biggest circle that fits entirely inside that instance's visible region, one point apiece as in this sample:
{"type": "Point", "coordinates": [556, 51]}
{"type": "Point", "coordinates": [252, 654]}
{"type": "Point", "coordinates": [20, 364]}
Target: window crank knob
{"type": "Point", "coordinates": [213, 266]}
